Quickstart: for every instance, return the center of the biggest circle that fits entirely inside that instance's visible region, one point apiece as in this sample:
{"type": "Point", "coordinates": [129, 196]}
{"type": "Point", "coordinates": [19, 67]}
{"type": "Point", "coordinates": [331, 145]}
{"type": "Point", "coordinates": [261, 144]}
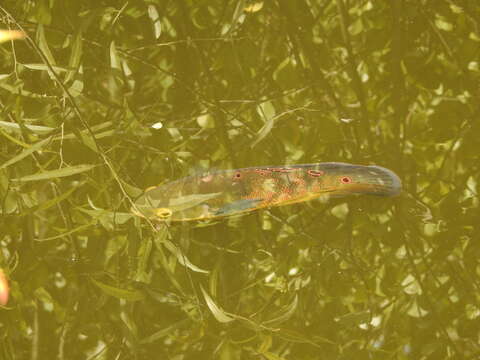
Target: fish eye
{"type": "Point", "coordinates": [237, 175]}
{"type": "Point", "coordinates": [163, 213]}
{"type": "Point", "coordinates": [345, 180]}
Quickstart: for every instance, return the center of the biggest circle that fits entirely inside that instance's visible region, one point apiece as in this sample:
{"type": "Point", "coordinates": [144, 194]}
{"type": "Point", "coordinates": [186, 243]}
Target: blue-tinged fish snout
{"type": "Point", "coordinates": [385, 182]}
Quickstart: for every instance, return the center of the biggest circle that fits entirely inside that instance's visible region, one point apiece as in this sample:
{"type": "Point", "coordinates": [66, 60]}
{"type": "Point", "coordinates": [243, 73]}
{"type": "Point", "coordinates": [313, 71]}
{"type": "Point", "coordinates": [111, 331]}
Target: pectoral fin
{"type": "Point", "coordinates": [238, 207]}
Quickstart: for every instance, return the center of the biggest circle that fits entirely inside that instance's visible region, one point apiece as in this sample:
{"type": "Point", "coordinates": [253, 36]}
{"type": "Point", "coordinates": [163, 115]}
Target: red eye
{"type": "Point", "coordinates": [345, 180]}
{"type": "Point", "coordinates": [237, 175]}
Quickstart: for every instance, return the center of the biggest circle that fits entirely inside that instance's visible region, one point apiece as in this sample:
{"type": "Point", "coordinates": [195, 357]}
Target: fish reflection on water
{"type": "Point", "coordinates": [231, 192]}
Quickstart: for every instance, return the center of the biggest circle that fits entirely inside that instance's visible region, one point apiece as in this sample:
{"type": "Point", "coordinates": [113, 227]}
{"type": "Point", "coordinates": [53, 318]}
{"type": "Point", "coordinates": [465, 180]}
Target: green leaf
{"type": "Point", "coordinates": [43, 45]}
{"type": "Point", "coordinates": [128, 74]}
{"type": "Point", "coordinates": [94, 129]}
{"type": "Point", "coordinates": [217, 312]}
{"type": "Point", "coordinates": [356, 27]}
{"type": "Point", "coordinates": [285, 314]}
{"type": "Point", "coordinates": [18, 90]}
{"type": "Point", "coordinates": [416, 311]}
{"type": "Point", "coordinates": [238, 18]}
{"type": "Point", "coordinates": [411, 285]}
{"type": "Point", "coordinates": [164, 332]}
{"type": "Point", "coordinates": [77, 86]}
{"type": "Point", "coordinates": [88, 140]}
{"type": "Point", "coordinates": [272, 356]}
{"type": "Point", "coordinates": [43, 13]}
{"type": "Point", "coordinates": [63, 172]}
{"type": "Point", "coordinates": [127, 294]}
{"type": "Point", "coordinates": [114, 245]}
{"type": "Point", "coordinates": [49, 203]}
{"type": "Point", "coordinates": [34, 128]}
{"type": "Point", "coordinates": [44, 67]}
{"type": "Point", "coordinates": [35, 147]}
{"type": "Point", "coordinates": [443, 24]}
{"type": "Point", "coordinates": [355, 318]}
{"type": "Point", "coordinates": [143, 255]}
{"type": "Point", "coordinates": [107, 218]}
{"type": "Point", "coordinates": [153, 15]}
{"type": "Point", "coordinates": [298, 337]}
{"type": "Point", "coordinates": [44, 296]}
{"type": "Point", "coordinates": [114, 59]}
{"type": "Point", "coordinates": [267, 111]}
{"type": "Point", "coordinates": [181, 258]}
{"type": "Point", "coordinates": [75, 57]}
{"type": "Point", "coordinates": [129, 324]}
{"type": "Point", "coordinates": [67, 233]}
{"type": "Point", "coordinates": [131, 190]}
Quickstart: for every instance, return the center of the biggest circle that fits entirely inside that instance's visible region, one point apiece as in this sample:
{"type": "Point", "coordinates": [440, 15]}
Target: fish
{"type": "Point", "coordinates": [225, 193]}
{"type": "Point", "coordinates": [4, 290]}
{"type": "Point", "coordinates": [6, 35]}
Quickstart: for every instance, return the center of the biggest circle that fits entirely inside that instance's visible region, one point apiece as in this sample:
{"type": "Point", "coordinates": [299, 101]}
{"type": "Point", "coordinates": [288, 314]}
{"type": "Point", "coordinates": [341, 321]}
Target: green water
{"type": "Point", "coordinates": [105, 99]}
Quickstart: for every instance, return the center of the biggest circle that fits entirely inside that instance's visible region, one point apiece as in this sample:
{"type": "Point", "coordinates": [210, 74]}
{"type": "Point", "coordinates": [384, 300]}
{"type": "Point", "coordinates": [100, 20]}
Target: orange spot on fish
{"type": "Point", "coordinates": [4, 291]}
{"type": "Point", "coordinates": [262, 172]}
{"type": "Point", "coordinates": [346, 180]}
{"type": "Point", "coordinates": [315, 173]}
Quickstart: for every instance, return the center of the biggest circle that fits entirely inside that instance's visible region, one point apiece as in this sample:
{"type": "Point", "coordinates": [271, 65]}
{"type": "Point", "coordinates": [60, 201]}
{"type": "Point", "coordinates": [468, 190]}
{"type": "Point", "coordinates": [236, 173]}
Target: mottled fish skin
{"type": "Point", "coordinates": [238, 206]}
{"type": "Point", "coordinates": [228, 192]}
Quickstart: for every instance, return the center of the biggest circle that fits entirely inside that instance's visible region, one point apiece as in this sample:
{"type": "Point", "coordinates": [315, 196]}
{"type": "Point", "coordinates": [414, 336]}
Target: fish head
{"type": "Point", "coordinates": [343, 179]}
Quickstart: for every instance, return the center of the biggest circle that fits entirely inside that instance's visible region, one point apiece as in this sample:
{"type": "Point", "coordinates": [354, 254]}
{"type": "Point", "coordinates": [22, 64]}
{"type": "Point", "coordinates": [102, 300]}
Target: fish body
{"type": "Point", "coordinates": [230, 192]}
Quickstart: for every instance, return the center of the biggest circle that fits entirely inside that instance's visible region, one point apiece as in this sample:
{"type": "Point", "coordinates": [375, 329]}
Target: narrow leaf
{"type": "Point", "coordinates": [94, 128]}
{"type": "Point", "coordinates": [35, 128]}
{"type": "Point", "coordinates": [114, 59]}
{"type": "Point", "coordinates": [127, 294]}
{"type": "Point", "coordinates": [354, 318]}
{"type": "Point", "coordinates": [44, 67]}
{"type": "Point", "coordinates": [153, 15]}
{"type": "Point", "coordinates": [217, 312]}
{"type": "Point", "coordinates": [164, 332]}
{"type": "Point", "coordinates": [267, 111]}
{"type": "Point", "coordinates": [35, 147]}
{"type": "Point", "coordinates": [237, 18]}
{"type": "Point", "coordinates": [49, 203]}
{"type": "Point", "coordinates": [75, 57]}
{"type": "Point", "coordinates": [63, 172]}
{"type": "Point", "coordinates": [182, 259]}
{"type": "Point", "coordinates": [43, 45]}
{"type": "Point", "coordinates": [143, 255]}
{"type": "Point", "coordinates": [286, 314]}
{"type": "Point", "coordinates": [272, 356]}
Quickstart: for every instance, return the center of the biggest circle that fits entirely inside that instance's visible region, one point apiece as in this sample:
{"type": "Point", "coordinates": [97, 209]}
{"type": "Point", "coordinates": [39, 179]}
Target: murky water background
{"type": "Point", "coordinates": [103, 100]}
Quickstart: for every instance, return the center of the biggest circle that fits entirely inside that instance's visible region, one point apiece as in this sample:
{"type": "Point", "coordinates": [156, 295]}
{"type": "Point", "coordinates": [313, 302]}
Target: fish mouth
{"type": "Point", "coordinates": [379, 181]}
